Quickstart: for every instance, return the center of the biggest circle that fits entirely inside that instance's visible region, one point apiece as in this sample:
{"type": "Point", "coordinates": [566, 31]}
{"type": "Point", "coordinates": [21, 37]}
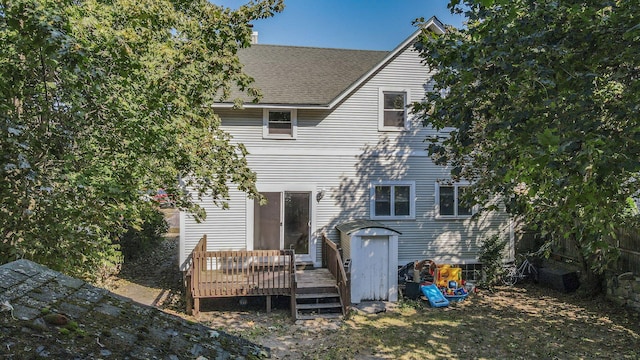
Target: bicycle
{"type": "Point", "coordinates": [512, 274]}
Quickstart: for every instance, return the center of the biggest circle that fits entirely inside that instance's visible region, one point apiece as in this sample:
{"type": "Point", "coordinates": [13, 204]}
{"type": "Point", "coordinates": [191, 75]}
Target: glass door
{"type": "Point", "coordinates": [283, 222]}
{"type": "Point", "coordinates": [296, 221]}
{"type": "Point", "coordinates": [266, 227]}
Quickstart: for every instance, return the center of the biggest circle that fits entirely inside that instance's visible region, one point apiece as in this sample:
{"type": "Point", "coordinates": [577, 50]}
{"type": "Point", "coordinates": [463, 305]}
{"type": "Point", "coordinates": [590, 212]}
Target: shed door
{"type": "Point", "coordinates": [373, 268]}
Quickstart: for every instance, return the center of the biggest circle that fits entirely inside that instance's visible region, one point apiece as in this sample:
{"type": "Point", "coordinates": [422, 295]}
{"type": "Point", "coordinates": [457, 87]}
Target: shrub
{"type": "Point", "coordinates": [144, 234]}
{"type": "Point", "coordinates": [491, 255]}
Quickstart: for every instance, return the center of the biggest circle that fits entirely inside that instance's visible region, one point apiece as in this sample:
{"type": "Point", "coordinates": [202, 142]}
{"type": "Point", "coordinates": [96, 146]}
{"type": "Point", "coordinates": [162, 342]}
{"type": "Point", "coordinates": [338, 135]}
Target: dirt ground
{"type": "Point", "coordinates": [521, 322]}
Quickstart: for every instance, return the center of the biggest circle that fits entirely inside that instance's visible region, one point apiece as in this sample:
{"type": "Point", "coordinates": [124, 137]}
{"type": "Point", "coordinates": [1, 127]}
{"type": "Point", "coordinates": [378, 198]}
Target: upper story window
{"type": "Point", "coordinates": [393, 200]}
{"type": "Point", "coordinates": [448, 201]}
{"type": "Point", "coordinates": [393, 112]}
{"type": "Point", "coordinates": [279, 124]}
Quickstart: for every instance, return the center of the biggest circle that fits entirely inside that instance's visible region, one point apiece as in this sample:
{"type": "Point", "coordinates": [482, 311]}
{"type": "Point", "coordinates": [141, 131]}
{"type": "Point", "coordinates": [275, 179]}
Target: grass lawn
{"type": "Point", "coordinates": [523, 322]}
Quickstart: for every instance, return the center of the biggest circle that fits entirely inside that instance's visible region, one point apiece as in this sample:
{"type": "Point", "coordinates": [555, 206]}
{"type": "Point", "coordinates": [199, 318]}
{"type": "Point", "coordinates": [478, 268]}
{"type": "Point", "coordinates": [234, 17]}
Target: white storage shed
{"type": "Point", "coordinates": [370, 249]}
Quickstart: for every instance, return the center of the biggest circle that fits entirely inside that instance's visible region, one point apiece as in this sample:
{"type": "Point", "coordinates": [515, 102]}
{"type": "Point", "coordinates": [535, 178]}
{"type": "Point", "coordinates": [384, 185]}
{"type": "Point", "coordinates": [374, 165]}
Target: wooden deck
{"type": "Point", "coordinates": [220, 283]}
{"type": "Point", "coordinates": [213, 274]}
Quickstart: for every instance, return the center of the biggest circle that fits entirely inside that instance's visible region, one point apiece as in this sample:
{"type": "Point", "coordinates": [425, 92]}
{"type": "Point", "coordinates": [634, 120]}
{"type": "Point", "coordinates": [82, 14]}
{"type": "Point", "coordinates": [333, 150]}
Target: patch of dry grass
{"type": "Point", "coordinates": [523, 322]}
{"type": "Point", "coordinates": [515, 323]}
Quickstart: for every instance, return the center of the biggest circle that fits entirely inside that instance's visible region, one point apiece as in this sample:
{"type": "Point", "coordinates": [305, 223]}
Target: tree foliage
{"type": "Point", "coordinates": [104, 100]}
{"type": "Point", "coordinates": [491, 256]}
{"type": "Point", "coordinates": [538, 102]}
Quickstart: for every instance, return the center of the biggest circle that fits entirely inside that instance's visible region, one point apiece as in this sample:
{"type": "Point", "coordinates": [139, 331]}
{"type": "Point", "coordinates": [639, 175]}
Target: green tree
{"type": "Point", "coordinates": [102, 101]}
{"type": "Point", "coordinates": [537, 103]}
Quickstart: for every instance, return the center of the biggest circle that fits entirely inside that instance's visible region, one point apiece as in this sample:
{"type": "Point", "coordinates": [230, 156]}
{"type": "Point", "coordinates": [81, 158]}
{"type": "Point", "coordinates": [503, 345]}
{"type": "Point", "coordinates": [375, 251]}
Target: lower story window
{"type": "Point", "coordinates": [394, 200]}
{"type": "Point", "coordinates": [449, 201]}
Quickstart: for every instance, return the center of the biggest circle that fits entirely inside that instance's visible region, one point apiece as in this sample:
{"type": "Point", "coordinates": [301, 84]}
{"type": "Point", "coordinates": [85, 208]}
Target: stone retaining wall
{"type": "Point", "coordinates": [624, 290]}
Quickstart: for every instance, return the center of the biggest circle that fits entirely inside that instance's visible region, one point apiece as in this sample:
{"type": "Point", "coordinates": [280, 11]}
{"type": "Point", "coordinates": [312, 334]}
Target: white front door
{"type": "Point", "coordinates": [284, 222]}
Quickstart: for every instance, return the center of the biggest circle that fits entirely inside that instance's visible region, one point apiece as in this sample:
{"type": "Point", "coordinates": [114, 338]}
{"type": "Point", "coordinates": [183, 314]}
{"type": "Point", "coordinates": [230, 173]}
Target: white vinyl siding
{"type": "Point", "coordinates": [342, 152]}
{"type": "Point", "coordinates": [346, 182]}
{"type": "Point", "coordinates": [225, 230]}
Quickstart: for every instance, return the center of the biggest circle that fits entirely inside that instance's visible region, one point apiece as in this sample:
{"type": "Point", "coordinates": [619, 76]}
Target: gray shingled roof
{"type": "Point", "coordinates": [292, 75]}
{"type": "Point", "coordinates": [46, 314]}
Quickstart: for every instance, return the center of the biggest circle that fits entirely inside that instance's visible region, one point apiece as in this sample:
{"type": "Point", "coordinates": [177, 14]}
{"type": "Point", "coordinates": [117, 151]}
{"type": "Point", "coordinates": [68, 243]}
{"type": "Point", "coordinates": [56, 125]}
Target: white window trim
{"type": "Point", "coordinates": [407, 100]}
{"type": "Point", "coordinates": [265, 124]}
{"type": "Point", "coordinates": [456, 185]}
{"type": "Point", "coordinates": [412, 202]}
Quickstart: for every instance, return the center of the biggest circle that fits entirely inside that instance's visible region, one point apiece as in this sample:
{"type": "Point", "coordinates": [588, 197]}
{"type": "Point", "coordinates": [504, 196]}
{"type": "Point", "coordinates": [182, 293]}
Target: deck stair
{"type": "Point", "coordinates": [317, 295]}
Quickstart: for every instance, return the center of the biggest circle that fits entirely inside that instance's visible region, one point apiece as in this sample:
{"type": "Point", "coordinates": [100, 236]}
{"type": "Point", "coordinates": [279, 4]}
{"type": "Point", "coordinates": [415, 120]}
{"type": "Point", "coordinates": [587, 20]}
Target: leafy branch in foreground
{"type": "Point", "coordinates": [538, 103]}
{"type": "Point", "coordinates": [103, 101]}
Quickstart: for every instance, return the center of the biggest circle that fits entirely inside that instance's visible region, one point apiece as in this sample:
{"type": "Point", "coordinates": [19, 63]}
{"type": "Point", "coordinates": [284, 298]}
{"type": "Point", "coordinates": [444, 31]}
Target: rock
{"type": "Point", "coordinates": [196, 350]}
{"type": "Point", "coordinates": [105, 352]}
{"type": "Point", "coordinates": [371, 307]}
{"type": "Point", "coordinates": [40, 350]}
{"type": "Point", "coordinates": [56, 319]}
{"type": "Point", "coordinates": [38, 324]}
{"type": "Point", "coordinates": [626, 276]}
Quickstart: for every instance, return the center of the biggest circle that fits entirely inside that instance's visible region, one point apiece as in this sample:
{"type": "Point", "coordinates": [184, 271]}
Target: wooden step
{"type": "Point", "coordinates": [322, 295]}
{"type": "Point", "coordinates": [317, 295]}
{"type": "Point", "coordinates": [317, 306]}
{"type": "Point", "coordinates": [318, 290]}
{"type": "Point", "coordinates": [316, 316]}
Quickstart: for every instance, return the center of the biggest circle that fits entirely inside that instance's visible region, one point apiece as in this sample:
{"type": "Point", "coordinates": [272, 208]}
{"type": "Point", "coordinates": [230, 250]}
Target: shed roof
{"type": "Point", "coordinates": [352, 226]}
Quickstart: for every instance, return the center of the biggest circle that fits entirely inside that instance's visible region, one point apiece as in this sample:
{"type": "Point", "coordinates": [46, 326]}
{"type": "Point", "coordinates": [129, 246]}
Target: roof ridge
{"type": "Point", "coordinates": [317, 47]}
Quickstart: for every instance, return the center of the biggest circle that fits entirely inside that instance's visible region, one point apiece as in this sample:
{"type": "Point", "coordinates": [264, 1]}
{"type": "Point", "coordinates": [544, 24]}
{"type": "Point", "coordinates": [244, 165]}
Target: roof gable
{"type": "Point", "coordinates": [294, 76]}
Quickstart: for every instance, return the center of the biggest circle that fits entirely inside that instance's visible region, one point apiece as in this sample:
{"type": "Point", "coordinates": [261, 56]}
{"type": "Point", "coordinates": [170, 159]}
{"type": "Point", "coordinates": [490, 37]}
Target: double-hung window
{"type": "Point", "coordinates": [393, 111]}
{"type": "Point", "coordinates": [449, 201]}
{"type": "Point", "coordinates": [279, 123]}
{"type": "Point", "coordinates": [393, 200]}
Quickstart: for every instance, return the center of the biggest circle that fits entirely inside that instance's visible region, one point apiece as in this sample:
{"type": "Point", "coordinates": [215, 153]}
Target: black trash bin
{"type": "Point", "coordinates": [412, 290]}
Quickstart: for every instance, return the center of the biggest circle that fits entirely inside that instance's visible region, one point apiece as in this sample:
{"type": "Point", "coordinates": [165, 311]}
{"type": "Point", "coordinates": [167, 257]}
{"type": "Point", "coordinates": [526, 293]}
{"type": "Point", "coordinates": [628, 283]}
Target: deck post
{"type": "Point", "coordinates": [293, 282]}
{"type": "Point", "coordinates": [268, 303]}
{"type": "Point", "coordinates": [188, 294]}
{"type": "Point", "coordinates": [196, 306]}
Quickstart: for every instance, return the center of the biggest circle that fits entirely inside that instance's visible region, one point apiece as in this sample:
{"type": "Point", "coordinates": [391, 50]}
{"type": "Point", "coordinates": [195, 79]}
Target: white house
{"type": "Point", "coordinates": [333, 141]}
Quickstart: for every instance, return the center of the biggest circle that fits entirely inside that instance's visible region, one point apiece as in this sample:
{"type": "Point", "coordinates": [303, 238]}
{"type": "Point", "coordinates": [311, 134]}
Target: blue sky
{"type": "Point", "coordinates": [350, 24]}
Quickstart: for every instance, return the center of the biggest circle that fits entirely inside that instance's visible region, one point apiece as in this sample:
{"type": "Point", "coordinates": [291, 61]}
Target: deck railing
{"type": "Point", "coordinates": [332, 260]}
{"type": "Point", "coordinates": [214, 274]}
